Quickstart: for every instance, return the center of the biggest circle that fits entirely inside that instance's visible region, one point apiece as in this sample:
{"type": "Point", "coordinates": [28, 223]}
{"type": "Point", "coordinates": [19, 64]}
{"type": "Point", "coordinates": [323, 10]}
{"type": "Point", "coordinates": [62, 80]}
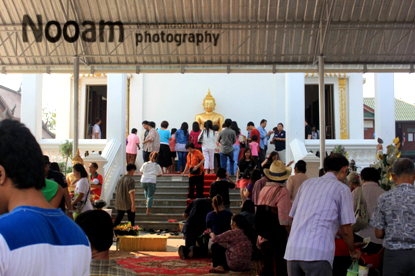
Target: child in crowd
{"type": "Point", "coordinates": [173, 154]}
{"type": "Point", "coordinates": [254, 146]}
{"type": "Point", "coordinates": [243, 183]}
{"type": "Point", "coordinates": [221, 187]}
{"type": "Point", "coordinates": [150, 171]}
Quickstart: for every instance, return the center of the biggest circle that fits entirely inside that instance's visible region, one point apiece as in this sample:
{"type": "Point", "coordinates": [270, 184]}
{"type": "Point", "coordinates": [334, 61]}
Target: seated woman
{"type": "Point", "coordinates": [237, 255]}
{"type": "Point", "coordinates": [219, 220]}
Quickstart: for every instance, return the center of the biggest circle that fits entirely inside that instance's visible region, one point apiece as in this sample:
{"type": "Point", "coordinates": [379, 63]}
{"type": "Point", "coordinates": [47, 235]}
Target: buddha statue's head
{"type": "Point", "coordinates": [209, 103]}
{"type": "Point", "coordinates": [77, 159]}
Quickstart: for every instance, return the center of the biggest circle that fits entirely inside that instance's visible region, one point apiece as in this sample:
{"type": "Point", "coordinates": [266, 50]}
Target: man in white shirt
{"type": "Point", "coordinates": [96, 131]}
{"type": "Point", "coordinates": [35, 238]}
{"type": "Point", "coordinates": [321, 206]}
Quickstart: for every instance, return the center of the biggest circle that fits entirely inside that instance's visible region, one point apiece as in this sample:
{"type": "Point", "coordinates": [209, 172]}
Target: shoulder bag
{"type": "Point", "coordinates": [267, 224]}
{"type": "Point", "coordinates": [362, 218]}
{"type": "Point", "coordinates": [81, 204]}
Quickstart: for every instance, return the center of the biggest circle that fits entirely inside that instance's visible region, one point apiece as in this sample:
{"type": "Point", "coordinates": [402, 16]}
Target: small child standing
{"type": "Point", "coordinates": [254, 149]}
{"type": "Point", "coordinates": [150, 171]}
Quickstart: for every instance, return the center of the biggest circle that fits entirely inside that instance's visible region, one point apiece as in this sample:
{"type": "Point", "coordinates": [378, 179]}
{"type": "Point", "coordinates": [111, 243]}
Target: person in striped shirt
{"type": "Point", "coordinates": [321, 206]}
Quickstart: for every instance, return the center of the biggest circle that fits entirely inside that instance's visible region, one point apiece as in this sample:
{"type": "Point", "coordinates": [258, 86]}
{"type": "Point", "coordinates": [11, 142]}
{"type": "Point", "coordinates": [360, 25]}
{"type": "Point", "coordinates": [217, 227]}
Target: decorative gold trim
{"type": "Point", "coordinates": [127, 123]}
{"type": "Point", "coordinates": [343, 109]}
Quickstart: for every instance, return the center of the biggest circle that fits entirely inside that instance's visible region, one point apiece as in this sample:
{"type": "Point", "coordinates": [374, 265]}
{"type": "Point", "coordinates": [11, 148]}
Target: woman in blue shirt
{"type": "Point", "coordinates": [164, 159]}
{"type": "Point", "coordinates": [182, 136]}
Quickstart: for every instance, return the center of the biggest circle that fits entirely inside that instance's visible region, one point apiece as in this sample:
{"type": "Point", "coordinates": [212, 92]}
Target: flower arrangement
{"type": "Point", "coordinates": [386, 161]}
{"type": "Point", "coordinates": [127, 229]}
{"type": "Point", "coordinates": [341, 150]}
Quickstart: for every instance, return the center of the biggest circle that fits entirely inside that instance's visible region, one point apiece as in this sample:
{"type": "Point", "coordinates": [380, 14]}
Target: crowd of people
{"type": "Point", "coordinates": [294, 224]}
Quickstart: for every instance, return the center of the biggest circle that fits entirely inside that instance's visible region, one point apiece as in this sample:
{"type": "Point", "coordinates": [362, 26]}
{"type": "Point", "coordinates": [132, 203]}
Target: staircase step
{"type": "Point", "coordinates": [168, 196]}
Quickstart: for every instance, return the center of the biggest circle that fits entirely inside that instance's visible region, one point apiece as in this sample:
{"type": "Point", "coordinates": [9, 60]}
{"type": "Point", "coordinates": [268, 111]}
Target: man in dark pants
{"type": "Point", "coordinates": [394, 220]}
{"type": "Point", "coordinates": [195, 215]}
{"type": "Point", "coordinates": [125, 197]}
{"type": "Point", "coordinates": [145, 126]}
{"type": "Point", "coordinates": [263, 142]}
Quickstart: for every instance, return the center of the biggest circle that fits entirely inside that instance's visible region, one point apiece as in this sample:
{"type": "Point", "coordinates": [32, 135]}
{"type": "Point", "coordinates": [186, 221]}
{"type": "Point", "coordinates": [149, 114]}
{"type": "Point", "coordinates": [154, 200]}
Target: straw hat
{"type": "Point", "coordinates": [278, 171]}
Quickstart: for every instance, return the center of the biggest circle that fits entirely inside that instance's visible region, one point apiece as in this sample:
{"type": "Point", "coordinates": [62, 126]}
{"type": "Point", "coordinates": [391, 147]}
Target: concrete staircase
{"type": "Point", "coordinates": [169, 203]}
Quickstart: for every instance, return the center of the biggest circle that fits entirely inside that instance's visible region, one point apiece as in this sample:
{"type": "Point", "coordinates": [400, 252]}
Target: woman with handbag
{"type": "Point", "coordinates": [82, 201]}
{"type": "Point", "coordinates": [194, 164]}
{"type": "Point", "coordinates": [208, 140]}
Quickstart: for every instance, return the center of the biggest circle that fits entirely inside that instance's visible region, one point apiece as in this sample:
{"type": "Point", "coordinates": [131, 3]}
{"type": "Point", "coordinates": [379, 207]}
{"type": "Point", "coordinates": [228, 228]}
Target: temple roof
{"type": "Point", "coordinates": [403, 111]}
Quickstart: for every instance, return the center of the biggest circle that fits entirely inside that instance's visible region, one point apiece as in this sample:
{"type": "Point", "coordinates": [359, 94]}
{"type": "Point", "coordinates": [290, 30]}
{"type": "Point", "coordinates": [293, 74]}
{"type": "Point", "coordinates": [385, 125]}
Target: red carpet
{"type": "Point", "coordinates": [166, 265]}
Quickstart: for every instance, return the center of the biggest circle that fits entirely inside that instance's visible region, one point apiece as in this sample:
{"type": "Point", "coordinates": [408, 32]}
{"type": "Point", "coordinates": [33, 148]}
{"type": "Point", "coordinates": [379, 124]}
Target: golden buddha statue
{"type": "Point", "coordinates": [209, 106]}
{"type": "Point", "coordinates": [70, 177]}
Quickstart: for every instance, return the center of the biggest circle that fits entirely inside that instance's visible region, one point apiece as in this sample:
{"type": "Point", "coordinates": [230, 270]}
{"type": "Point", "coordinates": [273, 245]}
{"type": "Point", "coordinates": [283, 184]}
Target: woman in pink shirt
{"type": "Point", "coordinates": [194, 135]}
{"type": "Point", "coordinates": [172, 144]}
{"type": "Point", "coordinates": [133, 143]}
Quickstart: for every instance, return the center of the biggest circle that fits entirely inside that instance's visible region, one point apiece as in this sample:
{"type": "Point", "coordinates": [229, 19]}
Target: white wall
{"type": "Point", "coordinates": [241, 97]}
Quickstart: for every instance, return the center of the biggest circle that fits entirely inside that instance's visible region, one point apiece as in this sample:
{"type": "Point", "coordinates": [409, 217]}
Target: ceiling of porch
{"type": "Point", "coordinates": [254, 36]}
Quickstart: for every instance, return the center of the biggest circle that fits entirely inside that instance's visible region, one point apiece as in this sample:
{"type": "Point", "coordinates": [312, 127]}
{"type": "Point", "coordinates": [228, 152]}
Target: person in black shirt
{"type": "Point", "coordinates": [279, 141]}
{"type": "Point", "coordinates": [61, 180]}
{"type": "Point", "coordinates": [247, 162]}
{"type": "Point", "coordinates": [195, 216]}
{"type": "Point", "coordinates": [221, 187]}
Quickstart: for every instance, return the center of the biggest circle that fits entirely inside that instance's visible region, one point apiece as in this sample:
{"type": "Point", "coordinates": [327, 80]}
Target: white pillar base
{"type": "Point", "coordinates": [385, 107]}
{"type": "Point", "coordinates": [294, 110]}
{"type": "Point", "coordinates": [32, 103]}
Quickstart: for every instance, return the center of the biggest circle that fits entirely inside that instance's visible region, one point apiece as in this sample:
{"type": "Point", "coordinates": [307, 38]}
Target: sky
{"type": "Point", "coordinates": [404, 87]}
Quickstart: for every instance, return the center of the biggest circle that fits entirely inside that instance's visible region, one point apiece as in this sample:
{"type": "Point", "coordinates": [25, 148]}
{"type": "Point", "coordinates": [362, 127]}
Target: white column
{"type": "Point", "coordinates": [385, 107]}
{"type": "Point", "coordinates": [355, 104]}
{"type": "Point", "coordinates": [294, 110]}
{"type": "Point", "coordinates": [137, 109]}
{"type": "Point", "coordinates": [63, 110]}
{"type": "Point", "coordinates": [116, 112]}
{"type": "Point", "coordinates": [32, 103]}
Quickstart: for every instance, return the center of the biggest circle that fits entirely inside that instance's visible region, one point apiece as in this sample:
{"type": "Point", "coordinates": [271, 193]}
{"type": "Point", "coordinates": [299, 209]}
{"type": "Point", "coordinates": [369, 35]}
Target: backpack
{"type": "Point", "coordinates": [267, 224]}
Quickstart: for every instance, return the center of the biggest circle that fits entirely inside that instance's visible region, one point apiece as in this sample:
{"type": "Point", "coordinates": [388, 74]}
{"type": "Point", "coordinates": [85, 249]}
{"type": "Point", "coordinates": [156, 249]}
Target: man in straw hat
{"type": "Point", "coordinates": [321, 206]}
{"type": "Point", "coordinates": [276, 195]}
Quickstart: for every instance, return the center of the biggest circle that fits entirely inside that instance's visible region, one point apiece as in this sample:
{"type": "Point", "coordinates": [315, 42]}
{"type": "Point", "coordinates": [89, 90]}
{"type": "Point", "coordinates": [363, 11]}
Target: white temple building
{"type": "Point", "coordinates": [123, 101]}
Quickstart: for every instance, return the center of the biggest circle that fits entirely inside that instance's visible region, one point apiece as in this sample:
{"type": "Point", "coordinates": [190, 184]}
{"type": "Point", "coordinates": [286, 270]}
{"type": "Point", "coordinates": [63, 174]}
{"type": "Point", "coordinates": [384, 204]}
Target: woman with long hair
{"type": "Point", "coordinates": [218, 221]}
{"type": "Point", "coordinates": [208, 138]}
{"type": "Point", "coordinates": [182, 136]}
{"type": "Point", "coordinates": [236, 148]}
{"type": "Point", "coordinates": [194, 135]}
{"type": "Point", "coordinates": [237, 255]}
{"type": "Point", "coordinates": [82, 201]}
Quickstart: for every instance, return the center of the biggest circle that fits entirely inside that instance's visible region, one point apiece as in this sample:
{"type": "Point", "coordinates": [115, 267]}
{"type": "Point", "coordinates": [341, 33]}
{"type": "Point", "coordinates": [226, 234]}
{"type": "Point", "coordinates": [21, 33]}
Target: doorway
{"type": "Point", "coordinates": [312, 108]}
{"type": "Point", "coordinates": [96, 107]}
